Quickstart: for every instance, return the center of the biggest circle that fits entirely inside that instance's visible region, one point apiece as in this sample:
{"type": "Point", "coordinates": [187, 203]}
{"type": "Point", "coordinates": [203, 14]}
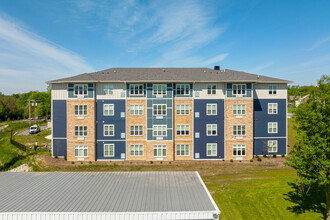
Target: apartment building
{"type": "Point", "coordinates": [168, 114]}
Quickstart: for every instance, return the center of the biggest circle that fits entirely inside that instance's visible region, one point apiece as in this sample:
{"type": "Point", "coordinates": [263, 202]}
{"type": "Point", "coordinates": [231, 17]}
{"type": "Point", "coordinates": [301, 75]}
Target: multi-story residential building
{"type": "Point", "coordinates": [168, 114]}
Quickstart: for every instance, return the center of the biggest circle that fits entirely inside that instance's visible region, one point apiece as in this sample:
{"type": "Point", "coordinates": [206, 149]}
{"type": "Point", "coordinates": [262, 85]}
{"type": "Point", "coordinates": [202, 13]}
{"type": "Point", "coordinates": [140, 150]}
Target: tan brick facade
{"type": "Point", "coordinates": [136, 119]}
{"type": "Point", "coordinates": [230, 120]}
{"type": "Point", "coordinates": [150, 152]}
{"type": "Point", "coordinates": [73, 121]}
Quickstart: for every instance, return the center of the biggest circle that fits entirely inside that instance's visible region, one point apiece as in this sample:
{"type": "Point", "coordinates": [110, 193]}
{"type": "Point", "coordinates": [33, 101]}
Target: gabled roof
{"type": "Point", "coordinates": [168, 75]}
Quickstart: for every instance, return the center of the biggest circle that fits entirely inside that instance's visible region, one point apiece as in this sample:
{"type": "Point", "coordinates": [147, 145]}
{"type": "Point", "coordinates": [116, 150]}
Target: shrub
{"type": "Point", "coordinates": [90, 162]}
{"type": "Point", "coordinates": [161, 162]}
{"type": "Point", "coordinates": [251, 160]}
{"type": "Point", "coordinates": [274, 155]}
{"type": "Point", "coordinates": [257, 156]}
{"type": "Point", "coordinates": [151, 162]}
{"type": "Point", "coordinates": [56, 157]}
{"type": "Point", "coordinates": [169, 162]}
{"type": "Point", "coordinates": [282, 155]}
{"type": "Point", "coordinates": [72, 162]}
{"type": "Point", "coordinates": [240, 161]}
{"type": "Point", "coordinates": [264, 155]}
{"type": "Point", "coordinates": [231, 160]}
{"type": "Point", "coordinates": [65, 158]}
{"type": "Point", "coordinates": [81, 162]}
{"type": "Point", "coordinates": [259, 159]}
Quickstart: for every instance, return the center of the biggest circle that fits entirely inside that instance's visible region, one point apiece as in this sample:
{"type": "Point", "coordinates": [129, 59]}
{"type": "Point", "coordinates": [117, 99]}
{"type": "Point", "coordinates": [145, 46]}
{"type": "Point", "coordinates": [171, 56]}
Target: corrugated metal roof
{"type": "Point", "coordinates": [168, 75]}
{"type": "Point", "coordinates": [104, 192]}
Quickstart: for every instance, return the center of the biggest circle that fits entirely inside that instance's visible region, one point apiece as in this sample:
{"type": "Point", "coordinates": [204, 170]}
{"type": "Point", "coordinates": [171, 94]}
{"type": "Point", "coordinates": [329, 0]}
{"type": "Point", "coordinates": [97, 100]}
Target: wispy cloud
{"type": "Point", "coordinates": [28, 60]}
{"type": "Point", "coordinates": [320, 42]}
{"type": "Point", "coordinates": [260, 68]}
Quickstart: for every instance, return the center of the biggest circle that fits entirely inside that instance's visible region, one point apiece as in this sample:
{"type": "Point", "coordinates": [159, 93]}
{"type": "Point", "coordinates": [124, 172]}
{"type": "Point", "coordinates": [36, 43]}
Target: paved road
{"type": "Point", "coordinates": [26, 131]}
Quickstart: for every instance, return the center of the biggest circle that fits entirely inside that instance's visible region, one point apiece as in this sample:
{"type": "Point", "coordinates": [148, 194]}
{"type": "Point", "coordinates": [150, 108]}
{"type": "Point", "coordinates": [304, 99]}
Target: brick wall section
{"type": "Point", "coordinates": [73, 121]}
{"type": "Point", "coordinates": [150, 154]}
{"type": "Point", "coordinates": [184, 120]}
{"type": "Point", "coordinates": [136, 119]}
{"type": "Point", "coordinates": [128, 149]}
{"type": "Point", "coordinates": [231, 120]}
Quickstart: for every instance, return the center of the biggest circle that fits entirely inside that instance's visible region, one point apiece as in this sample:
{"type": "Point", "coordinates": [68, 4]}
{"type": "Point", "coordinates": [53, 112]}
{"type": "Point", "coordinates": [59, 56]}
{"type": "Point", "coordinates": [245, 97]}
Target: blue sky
{"type": "Point", "coordinates": [44, 40]}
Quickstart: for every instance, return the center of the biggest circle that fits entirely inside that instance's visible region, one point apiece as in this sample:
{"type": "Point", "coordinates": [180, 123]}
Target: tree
{"type": "Point", "coordinates": [311, 155]}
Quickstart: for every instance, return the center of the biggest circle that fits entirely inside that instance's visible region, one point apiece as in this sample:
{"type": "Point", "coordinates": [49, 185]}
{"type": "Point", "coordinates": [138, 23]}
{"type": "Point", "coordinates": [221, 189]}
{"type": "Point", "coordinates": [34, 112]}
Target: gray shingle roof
{"type": "Point", "coordinates": [168, 75]}
{"type": "Point", "coordinates": [104, 192]}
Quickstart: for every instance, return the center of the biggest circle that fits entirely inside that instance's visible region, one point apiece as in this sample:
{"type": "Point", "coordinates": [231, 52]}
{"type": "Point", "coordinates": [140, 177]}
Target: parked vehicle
{"type": "Point", "coordinates": [34, 129]}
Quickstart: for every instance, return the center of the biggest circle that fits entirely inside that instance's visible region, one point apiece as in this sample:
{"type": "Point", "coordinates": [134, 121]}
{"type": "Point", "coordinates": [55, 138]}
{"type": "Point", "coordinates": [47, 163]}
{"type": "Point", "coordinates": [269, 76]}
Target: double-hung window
{"type": "Point", "coordinates": [108, 109]}
{"type": "Point", "coordinates": [211, 109]}
{"type": "Point", "coordinates": [272, 127]}
{"type": "Point", "coordinates": [160, 150]}
{"type": "Point", "coordinates": [80, 89]}
{"type": "Point", "coordinates": [136, 130]}
{"type": "Point", "coordinates": [272, 89]}
{"type": "Point", "coordinates": [182, 130]}
{"type": "Point", "coordinates": [211, 149]}
{"type": "Point", "coordinates": [136, 150]}
{"type": "Point", "coordinates": [159, 109]}
{"type": "Point", "coordinates": [272, 146]}
{"type": "Point", "coordinates": [182, 149]}
{"type": "Point", "coordinates": [80, 131]}
{"type": "Point", "coordinates": [211, 89]}
{"type": "Point", "coordinates": [211, 130]}
{"type": "Point", "coordinates": [80, 110]}
{"type": "Point", "coordinates": [239, 89]}
{"type": "Point", "coordinates": [238, 130]}
{"type": "Point", "coordinates": [159, 130]}
{"type": "Point", "coordinates": [159, 89]}
{"type": "Point", "coordinates": [239, 149]}
{"type": "Point", "coordinates": [109, 130]}
{"type": "Point", "coordinates": [136, 109]}
{"type": "Point", "coordinates": [183, 89]}
{"type": "Point", "coordinates": [108, 89]}
{"type": "Point", "coordinates": [109, 150]}
{"type": "Point", "coordinates": [239, 109]}
{"type": "Point", "coordinates": [136, 89]}
{"type": "Point", "coordinates": [182, 109]}
{"type": "Point", "coordinates": [81, 151]}
{"type": "Point", "coordinates": [272, 108]}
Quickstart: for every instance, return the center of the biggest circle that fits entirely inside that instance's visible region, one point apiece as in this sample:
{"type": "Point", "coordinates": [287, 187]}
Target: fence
{"type": "Point", "coordinates": [15, 143]}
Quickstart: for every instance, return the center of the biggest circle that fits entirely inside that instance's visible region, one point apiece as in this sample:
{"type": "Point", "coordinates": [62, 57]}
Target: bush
{"type": "Point", "coordinates": [231, 160]}
{"type": "Point", "coordinates": [264, 155]}
{"type": "Point", "coordinates": [259, 159]}
{"type": "Point", "coordinates": [274, 155]}
{"type": "Point", "coordinates": [56, 157]}
{"type": "Point", "coordinates": [151, 162]}
{"type": "Point", "coordinates": [240, 161]}
{"type": "Point", "coordinates": [90, 162]}
{"type": "Point", "coordinates": [72, 162]}
{"type": "Point", "coordinates": [169, 162]}
{"type": "Point", "coordinates": [282, 155]}
{"type": "Point", "coordinates": [257, 156]}
{"type": "Point", "coordinates": [65, 158]}
{"type": "Point", "coordinates": [251, 160]}
{"type": "Point", "coordinates": [161, 162]}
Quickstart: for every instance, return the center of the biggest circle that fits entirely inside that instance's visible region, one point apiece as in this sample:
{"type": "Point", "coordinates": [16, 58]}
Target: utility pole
{"type": "Point", "coordinates": [34, 103]}
{"type": "Point", "coordinates": [29, 111]}
{"type": "Point", "coordinates": [34, 111]}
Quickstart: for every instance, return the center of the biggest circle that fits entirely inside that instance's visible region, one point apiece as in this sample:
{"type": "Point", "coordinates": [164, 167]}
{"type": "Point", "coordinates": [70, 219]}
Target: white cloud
{"type": "Point", "coordinates": [320, 42]}
{"type": "Point", "coordinates": [28, 60]}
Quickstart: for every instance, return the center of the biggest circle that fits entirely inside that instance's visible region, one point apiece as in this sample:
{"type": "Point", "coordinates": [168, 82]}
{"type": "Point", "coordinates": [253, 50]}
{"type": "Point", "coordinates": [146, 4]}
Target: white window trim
{"type": "Point", "coordinates": [153, 148]}
{"type": "Point", "coordinates": [272, 109]}
{"type": "Point", "coordinates": [74, 90]}
{"type": "Point", "coordinates": [237, 84]}
{"type": "Point", "coordinates": [241, 146]}
{"type": "Point", "coordinates": [176, 148]}
{"type": "Point", "coordinates": [268, 143]}
{"type": "Point", "coordinates": [109, 89]}
{"type": "Point", "coordinates": [137, 151]}
{"type": "Point", "coordinates": [276, 128]}
{"type": "Point", "coordinates": [78, 110]}
{"type": "Point", "coordinates": [216, 130]}
{"type": "Point", "coordinates": [130, 89]}
{"type": "Point", "coordinates": [130, 127]}
{"type": "Point", "coordinates": [153, 113]}
{"type": "Point", "coordinates": [79, 130]}
{"type": "Point", "coordinates": [113, 130]}
{"type": "Point", "coordinates": [153, 128]}
{"type": "Point", "coordinates": [237, 109]}
{"type": "Point", "coordinates": [130, 109]}
{"type": "Point", "coordinates": [176, 89]}
{"type": "Point", "coordinates": [216, 108]}
{"type": "Point", "coordinates": [179, 107]}
{"type": "Point", "coordinates": [207, 89]}
{"type": "Point", "coordinates": [183, 130]}
{"type": "Point", "coordinates": [109, 110]}
{"type": "Point", "coordinates": [113, 150]}
{"type": "Point", "coordinates": [216, 150]}
{"type": "Point", "coordinates": [80, 146]}
{"type": "Point", "coordinates": [241, 130]}
{"type": "Point", "coordinates": [153, 90]}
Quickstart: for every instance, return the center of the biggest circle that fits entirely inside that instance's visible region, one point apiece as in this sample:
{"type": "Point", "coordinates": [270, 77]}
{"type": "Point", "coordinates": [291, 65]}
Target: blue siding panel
{"type": "Point", "coordinates": [260, 146]}
{"type": "Point", "coordinates": [200, 126]}
{"type": "Point", "coordinates": [120, 147]}
{"type": "Point", "coordinates": [90, 90]}
{"type": "Point", "coordinates": [59, 119]}
{"type": "Point", "coordinates": [59, 147]}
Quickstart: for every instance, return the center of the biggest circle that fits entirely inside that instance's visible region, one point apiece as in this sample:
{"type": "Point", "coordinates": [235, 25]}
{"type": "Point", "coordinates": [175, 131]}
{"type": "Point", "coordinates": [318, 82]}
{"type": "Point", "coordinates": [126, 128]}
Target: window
{"type": "Point", "coordinates": [81, 151]}
{"type": "Point", "coordinates": [80, 131]}
{"type": "Point", "coordinates": [182, 149]}
{"type": "Point", "coordinates": [211, 109]}
{"type": "Point", "coordinates": [109, 130]}
{"type": "Point", "coordinates": [272, 127]}
{"type": "Point", "coordinates": [159, 130]}
{"type": "Point", "coordinates": [239, 89]}
{"type": "Point", "coordinates": [108, 89]}
{"type": "Point", "coordinates": [81, 89]}
{"type": "Point", "coordinates": [211, 130]}
{"type": "Point", "coordinates": [109, 150]}
{"type": "Point", "coordinates": [211, 150]}
{"type": "Point", "coordinates": [136, 130]}
{"type": "Point", "coordinates": [272, 90]}
{"type": "Point", "coordinates": [159, 150]}
{"type": "Point", "coordinates": [211, 89]}
{"type": "Point", "coordinates": [136, 89]}
{"type": "Point", "coordinates": [239, 149]}
{"type": "Point", "coordinates": [159, 109]}
{"type": "Point", "coordinates": [183, 89]}
{"type": "Point", "coordinates": [239, 109]}
{"type": "Point", "coordinates": [108, 109]}
{"type": "Point", "coordinates": [80, 110]}
{"type": "Point", "coordinates": [182, 130]}
{"type": "Point", "coordinates": [136, 109]}
{"type": "Point", "coordinates": [136, 150]}
{"type": "Point", "coordinates": [238, 130]}
{"type": "Point", "coordinates": [272, 146]}
{"type": "Point", "coordinates": [272, 108]}
{"type": "Point", "coordinates": [182, 109]}
{"type": "Point", "coordinates": [159, 89]}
